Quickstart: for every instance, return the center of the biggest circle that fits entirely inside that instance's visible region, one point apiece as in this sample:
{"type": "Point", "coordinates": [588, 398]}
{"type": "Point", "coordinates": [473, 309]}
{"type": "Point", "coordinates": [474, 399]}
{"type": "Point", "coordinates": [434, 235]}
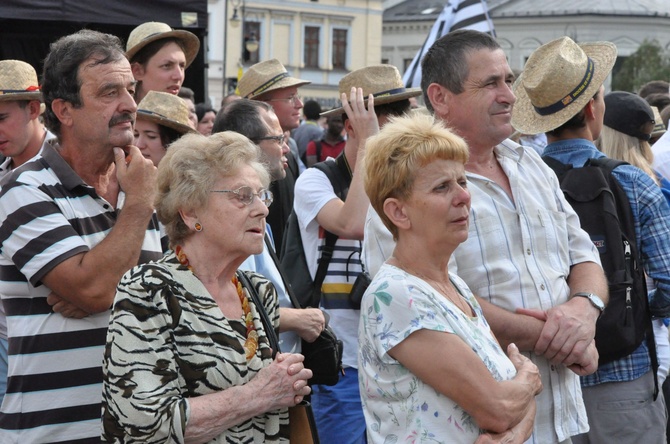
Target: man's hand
{"type": "Point", "coordinates": [136, 176]}
{"type": "Point", "coordinates": [312, 323]}
{"type": "Point", "coordinates": [568, 332]}
{"type": "Point", "coordinates": [363, 120]}
{"type": "Point", "coordinates": [65, 308]}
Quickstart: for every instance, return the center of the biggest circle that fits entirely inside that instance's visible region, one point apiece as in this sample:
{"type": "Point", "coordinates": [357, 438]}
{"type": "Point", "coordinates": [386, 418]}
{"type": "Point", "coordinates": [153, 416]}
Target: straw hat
{"type": "Point", "coordinates": [149, 32]}
{"type": "Point", "coordinates": [165, 109]}
{"type": "Point", "coordinates": [382, 81]}
{"type": "Point", "coordinates": [18, 81]}
{"type": "Point", "coordinates": [266, 76]}
{"type": "Point", "coordinates": [558, 81]}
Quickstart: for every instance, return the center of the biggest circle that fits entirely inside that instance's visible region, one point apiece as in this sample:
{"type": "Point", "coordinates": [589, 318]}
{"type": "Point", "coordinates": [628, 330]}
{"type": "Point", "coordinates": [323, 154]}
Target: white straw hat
{"type": "Point", "coordinates": [149, 32]}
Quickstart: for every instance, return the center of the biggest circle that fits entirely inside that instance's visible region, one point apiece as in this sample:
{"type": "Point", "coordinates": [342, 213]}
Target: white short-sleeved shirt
{"type": "Point", "coordinates": [398, 406]}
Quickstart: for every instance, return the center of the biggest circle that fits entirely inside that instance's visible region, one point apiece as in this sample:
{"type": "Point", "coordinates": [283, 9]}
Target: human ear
{"type": "Point", "coordinates": [394, 209]}
{"type": "Point", "coordinates": [438, 96]}
{"type": "Point", "coordinates": [63, 111]}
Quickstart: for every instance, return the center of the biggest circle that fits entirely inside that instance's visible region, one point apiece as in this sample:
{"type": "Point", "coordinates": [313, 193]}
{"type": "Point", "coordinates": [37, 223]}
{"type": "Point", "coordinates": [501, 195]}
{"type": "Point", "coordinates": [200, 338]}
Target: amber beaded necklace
{"type": "Point", "coordinates": [251, 342]}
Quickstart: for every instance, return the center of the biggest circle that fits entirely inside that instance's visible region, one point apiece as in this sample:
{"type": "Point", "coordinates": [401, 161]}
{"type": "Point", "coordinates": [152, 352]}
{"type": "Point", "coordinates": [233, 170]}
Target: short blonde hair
{"type": "Point", "coordinates": [401, 148]}
{"type": "Point", "coordinates": [189, 170]}
{"type": "Point", "coordinates": [617, 145]}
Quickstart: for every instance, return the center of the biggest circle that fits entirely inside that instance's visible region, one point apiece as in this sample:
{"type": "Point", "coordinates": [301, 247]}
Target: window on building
{"type": "Point", "coordinates": [406, 63]}
{"type": "Point", "coordinates": [312, 46]}
{"type": "Point", "coordinates": [252, 33]}
{"type": "Point", "coordinates": [339, 49]}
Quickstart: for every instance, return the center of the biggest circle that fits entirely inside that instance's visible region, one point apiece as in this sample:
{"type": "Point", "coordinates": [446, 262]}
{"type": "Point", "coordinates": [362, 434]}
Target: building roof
{"type": "Point", "coordinates": [428, 10]}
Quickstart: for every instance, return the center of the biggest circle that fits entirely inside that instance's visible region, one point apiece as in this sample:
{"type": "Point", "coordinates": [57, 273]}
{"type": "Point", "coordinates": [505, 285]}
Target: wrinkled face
{"type": "Point", "coordinates": [482, 113]}
{"type": "Point", "coordinates": [206, 124]}
{"type": "Point", "coordinates": [273, 152]}
{"type": "Point", "coordinates": [164, 71]}
{"type": "Point", "coordinates": [16, 129]}
{"type": "Point", "coordinates": [229, 224]}
{"type": "Point", "coordinates": [107, 113]}
{"type": "Point", "coordinates": [148, 140]}
{"type": "Point", "coordinates": [439, 205]}
{"type": "Point", "coordinates": [287, 105]}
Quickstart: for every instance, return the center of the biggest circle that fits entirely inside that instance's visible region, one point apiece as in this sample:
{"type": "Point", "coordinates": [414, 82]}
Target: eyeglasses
{"type": "Point", "coordinates": [279, 139]}
{"type": "Point", "coordinates": [246, 195]}
{"type": "Point", "coordinates": [294, 99]}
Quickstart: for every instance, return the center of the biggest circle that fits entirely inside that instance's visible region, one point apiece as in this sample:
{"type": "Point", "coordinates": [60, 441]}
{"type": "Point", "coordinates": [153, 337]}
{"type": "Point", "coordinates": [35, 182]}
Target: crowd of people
{"type": "Point", "coordinates": [144, 291]}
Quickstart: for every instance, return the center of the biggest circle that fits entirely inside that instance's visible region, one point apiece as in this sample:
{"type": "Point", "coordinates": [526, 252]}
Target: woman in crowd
{"type": "Point", "coordinates": [629, 122]}
{"type": "Point", "coordinates": [162, 118]}
{"type": "Point", "coordinates": [206, 116]}
{"type": "Point", "coordinates": [187, 357]}
{"type": "Point", "coordinates": [159, 57]}
{"type": "Point", "coordinates": [429, 364]}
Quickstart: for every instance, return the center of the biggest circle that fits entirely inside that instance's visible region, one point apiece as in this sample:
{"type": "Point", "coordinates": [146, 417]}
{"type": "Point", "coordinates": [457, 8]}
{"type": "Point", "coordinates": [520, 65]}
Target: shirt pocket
{"type": "Point", "coordinates": [553, 246]}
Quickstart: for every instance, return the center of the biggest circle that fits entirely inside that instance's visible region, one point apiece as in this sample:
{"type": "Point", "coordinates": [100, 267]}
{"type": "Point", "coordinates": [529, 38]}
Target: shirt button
{"type": "Point", "coordinates": [528, 251]}
{"type": "Point", "coordinates": [553, 368]}
{"type": "Point", "coordinates": [105, 206]}
{"type": "Point", "coordinates": [541, 286]}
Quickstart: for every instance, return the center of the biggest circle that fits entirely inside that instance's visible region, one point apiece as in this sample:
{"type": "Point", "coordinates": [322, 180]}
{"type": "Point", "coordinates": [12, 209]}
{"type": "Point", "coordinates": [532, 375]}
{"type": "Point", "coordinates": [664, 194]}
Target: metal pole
{"type": "Point", "coordinates": [224, 79]}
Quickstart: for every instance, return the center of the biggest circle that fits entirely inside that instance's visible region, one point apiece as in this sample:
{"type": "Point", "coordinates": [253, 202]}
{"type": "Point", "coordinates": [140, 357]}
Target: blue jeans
{"type": "Point", "coordinates": [338, 411]}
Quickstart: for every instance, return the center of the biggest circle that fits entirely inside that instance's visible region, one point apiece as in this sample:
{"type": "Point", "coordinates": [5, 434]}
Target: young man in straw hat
{"type": "Point", "coordinates": [561, 93]}
{"type": "Point", "coordinates": [65, 235]}
{"type": "Point", "coordinates": [269, 82]}
{"type": "Point", "coordinates": [159, 57]}
{"type": "Point", "coordinates": [525, 247]}
{"type": "Point", "coordinates": [337, 409]}
{"type": "Point", "coordinates": [22, 136]}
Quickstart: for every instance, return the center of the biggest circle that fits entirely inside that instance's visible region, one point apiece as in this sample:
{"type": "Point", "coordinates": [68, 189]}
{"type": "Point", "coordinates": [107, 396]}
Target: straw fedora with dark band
{"type": "Point", "coordinates": [165, 109]}
{"type": "Point", "coordinates": [18, 81]}
{"type": "Point", "coordinates": [559, 79]}
{"type": "Point", "coordinates": [382, 81]}
{"type": "Point", "coordinates": [266, 76]}
{"type": "Point", "coordinates": [152, 31]}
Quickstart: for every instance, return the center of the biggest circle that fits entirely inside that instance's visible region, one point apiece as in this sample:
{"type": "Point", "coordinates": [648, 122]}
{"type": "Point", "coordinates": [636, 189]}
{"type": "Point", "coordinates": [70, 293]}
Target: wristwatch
{"type": "Point", "coordinates": [593, 299]}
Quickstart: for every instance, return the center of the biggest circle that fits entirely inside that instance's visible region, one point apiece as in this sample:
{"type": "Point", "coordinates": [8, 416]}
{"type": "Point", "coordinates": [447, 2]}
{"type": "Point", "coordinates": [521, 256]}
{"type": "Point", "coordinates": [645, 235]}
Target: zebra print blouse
{"type": "Point", "coordinates": [168, 341]}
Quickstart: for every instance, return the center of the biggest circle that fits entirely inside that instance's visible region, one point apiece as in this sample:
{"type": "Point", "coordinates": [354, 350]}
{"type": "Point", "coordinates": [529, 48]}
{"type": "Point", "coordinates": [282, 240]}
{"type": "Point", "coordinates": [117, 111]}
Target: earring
{"type": "Point", "coordinates": [198, 227]}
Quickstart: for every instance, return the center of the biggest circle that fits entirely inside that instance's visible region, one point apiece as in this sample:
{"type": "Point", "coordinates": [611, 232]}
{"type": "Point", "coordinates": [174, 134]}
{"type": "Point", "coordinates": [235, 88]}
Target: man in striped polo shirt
{"type": "Point", "coordinates": [72, 222]}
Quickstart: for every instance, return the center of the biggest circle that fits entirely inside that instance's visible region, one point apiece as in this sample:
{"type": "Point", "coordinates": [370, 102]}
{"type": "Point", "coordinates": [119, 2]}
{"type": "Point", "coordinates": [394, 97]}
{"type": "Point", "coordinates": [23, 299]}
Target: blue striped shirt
{"type": "Point", "coordinates": [651, 215]}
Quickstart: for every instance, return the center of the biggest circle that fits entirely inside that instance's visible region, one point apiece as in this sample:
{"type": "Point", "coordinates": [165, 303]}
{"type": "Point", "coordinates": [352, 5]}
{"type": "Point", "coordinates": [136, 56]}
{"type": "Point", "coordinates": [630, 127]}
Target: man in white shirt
{"type": "Point", "coordinates": [525, 248]}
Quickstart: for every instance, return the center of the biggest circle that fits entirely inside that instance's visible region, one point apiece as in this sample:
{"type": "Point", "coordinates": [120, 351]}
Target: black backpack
{"type": "Point", "coordinates": [292, 257]}
{"type": "Point", "coordinates": [605, 214]}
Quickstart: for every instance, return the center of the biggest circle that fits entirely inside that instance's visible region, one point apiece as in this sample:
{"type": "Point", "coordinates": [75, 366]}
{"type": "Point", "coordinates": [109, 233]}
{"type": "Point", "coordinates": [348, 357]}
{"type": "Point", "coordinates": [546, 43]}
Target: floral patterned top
{"type": "Point", "coordinates": [398, 406]}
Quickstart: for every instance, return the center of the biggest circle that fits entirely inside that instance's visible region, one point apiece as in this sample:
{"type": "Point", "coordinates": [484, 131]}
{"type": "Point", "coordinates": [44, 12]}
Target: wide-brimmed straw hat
{"type": "Point", "coordinates": [266, 76]}
{"type": "Point", "coordinates": [382, 81]}
{"type": "Point", "coordinates": [18, 81]}
{"type": "Point", "coordinates": [559, 79]}
{"type": "Point", "coordinates": [165, 109]}
{"type": "Point", "coordinates": [149, 32]}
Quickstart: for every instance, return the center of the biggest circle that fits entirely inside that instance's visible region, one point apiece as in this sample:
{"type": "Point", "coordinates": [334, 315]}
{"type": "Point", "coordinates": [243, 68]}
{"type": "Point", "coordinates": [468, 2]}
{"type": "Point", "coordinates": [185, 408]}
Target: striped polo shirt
{"type": "Point", "coordinates": [47, 215]}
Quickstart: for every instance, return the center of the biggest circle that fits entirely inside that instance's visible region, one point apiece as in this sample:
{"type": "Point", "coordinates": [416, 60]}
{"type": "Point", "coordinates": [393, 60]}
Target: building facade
{"type": "Point", "coordinates": [316, 40]}
{"type": "Point", "coordinates": [523, 25]}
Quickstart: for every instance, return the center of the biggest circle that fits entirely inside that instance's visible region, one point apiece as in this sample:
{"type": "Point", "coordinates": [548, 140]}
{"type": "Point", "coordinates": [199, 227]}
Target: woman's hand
{"type": "Point", "coordinates": [515, 435]}
{"type": "Point", "coordinates": [526, 371]}
{"type": "Point", "coordinates": [312, 323]}
{"type": "Point", "coordinates": [284, 382]}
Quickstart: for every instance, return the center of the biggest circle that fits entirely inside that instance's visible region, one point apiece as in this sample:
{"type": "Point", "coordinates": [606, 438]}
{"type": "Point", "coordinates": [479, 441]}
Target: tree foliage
{"type": "Point", "coordinates": [649, 62]}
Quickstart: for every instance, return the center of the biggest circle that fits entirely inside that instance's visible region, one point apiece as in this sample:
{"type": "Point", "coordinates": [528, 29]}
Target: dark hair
{"type": "Point", "coordinates": [654, 86]}
{"type": "Point", "coordinates": [201, 109]}
{"type": "Point", "coordinates": [392, 109]}
{"type": "Point", "coordinates": [186, 93]}
{"type": "Point", "coordinates": [60, 76]}
{"type": "Point", "coordinates": [244, 117]}
{"type": "Point", "coordinates": [445, 63]}
{"type": "Point", "coordinates": [659, 100]}
{"type": "Point", "coordinates": [311, 110]}
{"type": "Point", "coordinates": [151, 49]}
{"type": "Point", "coordinates": [168, 135]}
{"type": "Point", "coordinates": [577, 121]}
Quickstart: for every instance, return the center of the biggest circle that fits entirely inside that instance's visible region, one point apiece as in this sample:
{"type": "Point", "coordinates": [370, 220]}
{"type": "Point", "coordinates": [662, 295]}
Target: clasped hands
{"type": "Point", "coordinates": [567, 337]}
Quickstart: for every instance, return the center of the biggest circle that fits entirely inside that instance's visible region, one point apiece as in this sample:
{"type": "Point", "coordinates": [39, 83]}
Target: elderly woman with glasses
{"type": "Point", "coordinates": [429, 366]}
{"type": "Point", "coordinates": [187, 357]}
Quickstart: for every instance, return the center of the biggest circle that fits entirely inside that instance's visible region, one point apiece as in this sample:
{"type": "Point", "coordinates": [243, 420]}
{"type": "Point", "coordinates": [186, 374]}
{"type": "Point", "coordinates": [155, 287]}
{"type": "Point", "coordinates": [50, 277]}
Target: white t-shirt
{"type": "Point", "coordinates": [398, 406]}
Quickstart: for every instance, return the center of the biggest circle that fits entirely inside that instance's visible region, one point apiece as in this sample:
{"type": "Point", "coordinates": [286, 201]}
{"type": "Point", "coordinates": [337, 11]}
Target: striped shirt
{"type": "Point", "coordinates": [47, 215]}
{"type": "Point", "coordinates": [651, 216]}
{"type": "Point", "coordinates": [313, 191]}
